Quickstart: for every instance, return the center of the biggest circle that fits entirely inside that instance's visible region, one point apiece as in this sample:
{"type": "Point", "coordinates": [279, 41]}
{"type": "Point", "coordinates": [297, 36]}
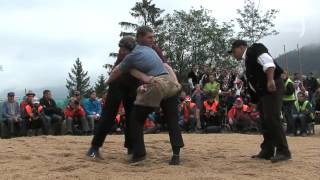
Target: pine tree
{"type": "Point", "coordinates": [100, 86]}
{"type": "Point", "coordinates": [78, 80]}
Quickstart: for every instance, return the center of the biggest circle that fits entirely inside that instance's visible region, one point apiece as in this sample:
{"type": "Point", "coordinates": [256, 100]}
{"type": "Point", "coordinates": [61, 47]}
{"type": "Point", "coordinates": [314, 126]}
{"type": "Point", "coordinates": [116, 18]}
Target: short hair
{"type": "Point", "coordinates": [92, 91]}
{"type": "Point", "coordinates": [143, 30]}
{"type": "Point", "coordinates": [128, 42]}
{"type": "Point", "coordinates": [46, 91]}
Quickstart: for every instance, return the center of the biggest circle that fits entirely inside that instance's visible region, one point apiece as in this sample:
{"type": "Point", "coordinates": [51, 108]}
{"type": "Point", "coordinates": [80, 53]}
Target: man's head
{"type": "Point", "coordinates": [93, 95]}
{"type": "Point", "coordinates": [301, 97]}
{"type": "Point", "coordinates": [212, 78]}
{"type": "Point", "coordinates": [183, 95]}
{"type": "Point", "coordinates": [11, 96]}
{"type": "Point", "coordinates": [238, 48]}
{"type": "Point", "coordinates": [285, 75]}
{"type": "Point", "coordinates": [145, 36]}
{"type": "Point", "coordinates": [126, 45]}
{"type": "Point", "coordinates": [47, 94]}
{"type": "Point", "coordinates": [195, 68]}
{"type": "Point", "coordinates": [30, 95]}
{"type": "Point", "coordinates": [239, 103]}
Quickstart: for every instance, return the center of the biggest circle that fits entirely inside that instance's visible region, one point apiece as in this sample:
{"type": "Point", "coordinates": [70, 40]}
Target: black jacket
{"type": "Point", "coordinates": [254, 71]}
{"type": "Point", "coordinates": [50, 107]}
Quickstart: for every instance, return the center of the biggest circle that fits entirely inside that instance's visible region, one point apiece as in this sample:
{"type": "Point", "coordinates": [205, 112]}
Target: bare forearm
{"type": "Point", "coordinates": [270, 73]}
{"type": "Point", "coordinates": [140, 75]}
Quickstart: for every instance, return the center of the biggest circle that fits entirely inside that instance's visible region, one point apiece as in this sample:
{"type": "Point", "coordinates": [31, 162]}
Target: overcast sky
{"type": "Point", "coordinates": [40, 39]}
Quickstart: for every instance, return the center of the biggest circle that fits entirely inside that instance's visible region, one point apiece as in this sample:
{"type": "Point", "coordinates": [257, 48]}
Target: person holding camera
{"type": "Point", "coordinates": [35, 117]}
{"type": "Point", "coordinates": [188, 111]}
{"type": "Point", "coordinates": [75, 114]}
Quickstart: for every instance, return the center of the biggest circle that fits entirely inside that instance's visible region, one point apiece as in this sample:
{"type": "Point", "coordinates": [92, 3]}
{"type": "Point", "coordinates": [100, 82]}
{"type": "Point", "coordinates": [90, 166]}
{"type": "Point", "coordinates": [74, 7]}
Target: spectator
{"type": "Point", "coordinates": [77, 96]}
{"type": "Point", "coordinates": [52, 113]}
{"type": "Point", "coordinates": [311, 84]}
{"type": "Point", "coordinates": [93, 110]}
{"type": "Point", "coordinates": [35, 118]}
{"type": "Point", "coordinates": [205, 76]}
{"type": "Point", "coordinates": [11, 116]}
{"type": "Point", "coordinates": [302, 114]}
{"type": "Point", "coordinates": [198, 97]}
{"type": "Point", "coordinates": [288, 102]}
{"type": "Point", "coordinates": [212, 85]}
{"type": "Point", "coordinates": [193, 77]}
{"type": "Point", "coordinates": [188, 111]}
{"type": "Point", "coordinates": [238, 85]}
{"type": "Point", "coordinates": [230, 98]}
{"type": "Point", "coordinates": [212, 113]}
{"type": "Point", "coordinates": [239, 117]}
{"type": "Point", "coordinates": [27, 99]}
{"type": "Point", "coordinates": [75, 115]}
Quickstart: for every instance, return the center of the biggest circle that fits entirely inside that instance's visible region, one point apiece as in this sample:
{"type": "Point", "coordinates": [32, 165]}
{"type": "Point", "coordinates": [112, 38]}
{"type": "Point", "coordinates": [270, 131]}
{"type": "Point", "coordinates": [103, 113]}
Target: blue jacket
{"type": "Point", "coordinates": [5, 109]}
{"type": "Point", "coordinates": [91, 106]}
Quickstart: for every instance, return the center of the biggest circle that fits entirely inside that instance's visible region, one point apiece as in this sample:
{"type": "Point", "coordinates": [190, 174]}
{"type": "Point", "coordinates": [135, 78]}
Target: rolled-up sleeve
{"type": "Point", "coordinates": [266, 61]}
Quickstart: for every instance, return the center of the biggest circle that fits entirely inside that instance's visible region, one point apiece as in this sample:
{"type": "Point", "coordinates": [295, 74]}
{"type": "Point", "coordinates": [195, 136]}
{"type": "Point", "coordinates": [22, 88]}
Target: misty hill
{"type": "Point", "coordinates": [58, 92]}
{"type": "Point", "coordinates": [310, 58]}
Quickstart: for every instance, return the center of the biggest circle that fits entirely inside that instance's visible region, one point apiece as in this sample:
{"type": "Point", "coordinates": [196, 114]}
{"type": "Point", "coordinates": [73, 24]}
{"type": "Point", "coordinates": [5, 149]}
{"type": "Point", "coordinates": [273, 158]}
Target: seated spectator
{"type": "Point", "coordinates": [93, 110]}
{"type": "Point", "coordinates": [11, 117]}
{"type": "Point", "coordinates": [52, 113]}
{"type": "Point", "coordinates": [198, 97]}
{"type": "Point", "coordinates": [27, 99]}
{"type": "Point", "coordinates": [212, 113]}
{"type": "Point", "coordinates": [212, 85]}
{"type": "Point", "coordinates": [35, 117]}
{"type": "Point", "coordinates": [239, 117]}
{"type": "Point", "coordinates": [188, 111]}
{"type": "Point", "coordinates": [255, 117]}
{"type": "Point", "coordinates": [75, 115]}
{"type": "Point", "coordinates": [302, 114]}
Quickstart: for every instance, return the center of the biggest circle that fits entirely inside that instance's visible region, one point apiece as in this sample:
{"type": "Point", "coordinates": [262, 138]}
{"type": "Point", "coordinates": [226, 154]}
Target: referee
{"type": "Point", "coordinates": [266, 88]}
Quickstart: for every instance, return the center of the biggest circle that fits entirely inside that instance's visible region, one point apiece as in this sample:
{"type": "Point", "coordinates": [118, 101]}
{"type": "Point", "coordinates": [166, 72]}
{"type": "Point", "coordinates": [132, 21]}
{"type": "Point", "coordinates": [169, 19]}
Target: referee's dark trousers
{"type": "Point", "coordinates": [270, 109]}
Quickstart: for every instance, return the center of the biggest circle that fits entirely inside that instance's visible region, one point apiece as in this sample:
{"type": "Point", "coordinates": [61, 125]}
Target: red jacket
{"type": "Point", "coordinates": [69, 113]}
{"type": "Point", "coordinates": [233, 111]}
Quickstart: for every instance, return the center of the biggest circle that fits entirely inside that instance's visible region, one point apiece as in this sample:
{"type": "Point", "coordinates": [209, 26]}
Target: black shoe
{"type": "Point", "coordinates": [94, 154]}
{"type": "Point", "coordinates": [280, 157]}
{"type": "Point", "coordinates": [263, 155]}
{"type": "Point", "coordinates": [137, 160]}
{"type": "Point", "coordinates": [175, 160]}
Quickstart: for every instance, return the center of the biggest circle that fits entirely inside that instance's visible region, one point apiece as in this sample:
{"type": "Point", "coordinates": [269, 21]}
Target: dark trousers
{"type": "Point", "coordinates": [116, 93]}
{"type": "Point", "coordinates": [139, 114]}
{"type": "Point", "coordinates": [271, 127]}
{"type": "Point", "coordinates": [287, 112]}
{"type": "Point", "coordinates": [300, 120]}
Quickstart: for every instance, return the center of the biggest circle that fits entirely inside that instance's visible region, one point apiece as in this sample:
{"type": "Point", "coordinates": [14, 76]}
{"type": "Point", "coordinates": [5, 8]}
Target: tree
{"type": "Point", "coordinates": [255, 24]}
{"type": "Point", "coordinates": [146, 13]}
{"type": "Point", "coordinates": [78, 80]}
{"type": "Point", "coordinates": [194, 37]}
{"type": "Point", "coordinates": [101, 86]}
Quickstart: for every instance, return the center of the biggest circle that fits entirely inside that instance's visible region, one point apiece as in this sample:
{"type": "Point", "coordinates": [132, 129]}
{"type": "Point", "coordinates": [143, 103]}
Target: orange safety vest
{"type": "Point", "coordinates": [213, 107]}
{"type": "Point", "coordinates": [29, 110]}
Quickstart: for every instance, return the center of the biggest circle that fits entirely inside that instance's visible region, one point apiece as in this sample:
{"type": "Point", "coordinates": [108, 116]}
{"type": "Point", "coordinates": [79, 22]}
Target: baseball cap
{"type": "Point", "coordinates": [11, 94]}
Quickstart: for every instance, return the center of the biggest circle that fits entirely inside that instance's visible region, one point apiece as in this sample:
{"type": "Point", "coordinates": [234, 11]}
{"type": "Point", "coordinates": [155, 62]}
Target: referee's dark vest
{"type": "Point", "coordinates": [254, 71]}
